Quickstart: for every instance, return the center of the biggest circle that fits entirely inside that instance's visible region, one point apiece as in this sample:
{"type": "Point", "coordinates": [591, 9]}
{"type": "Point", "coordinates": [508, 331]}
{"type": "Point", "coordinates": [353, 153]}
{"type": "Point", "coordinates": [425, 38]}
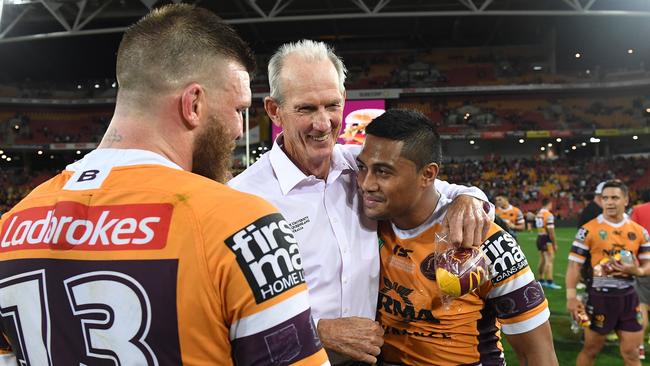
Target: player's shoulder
{"type": "Point", "coordinates": [496, 238]}
{"type": "Point", "coordinates": [208, 196]}
{"type": "Point", "coordinates": [636, 226]}
{"type": "Point", "coordinates": [504, 254]}
{"type": "Point", "coordinates": [50, 187]}
{"type": "Point", "coordinates": [594, 223]}
{"type": "Point", "coordinates": [494, 229]}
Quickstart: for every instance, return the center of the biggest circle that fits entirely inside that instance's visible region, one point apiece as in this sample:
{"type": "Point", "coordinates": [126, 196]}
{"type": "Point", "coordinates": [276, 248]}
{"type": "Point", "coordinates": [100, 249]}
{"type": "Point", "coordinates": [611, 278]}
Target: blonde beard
{"type": "Point", "coordinates": [212, 155]}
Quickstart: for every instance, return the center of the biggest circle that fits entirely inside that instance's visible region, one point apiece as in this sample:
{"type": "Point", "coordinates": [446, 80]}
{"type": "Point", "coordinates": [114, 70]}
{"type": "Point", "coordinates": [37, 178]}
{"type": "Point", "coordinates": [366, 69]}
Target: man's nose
{"type": "Point", "coordinates": [322, 121]}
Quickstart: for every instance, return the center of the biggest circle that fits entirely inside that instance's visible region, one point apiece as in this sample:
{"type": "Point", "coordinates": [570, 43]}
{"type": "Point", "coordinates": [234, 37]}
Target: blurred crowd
{"type": "Point", "coordinates": [15, 183]}
{"type": "Point", "coordinates": [567, 181]}
{"type": "Point", "coordinates": [466, 66]}
{"type": "Point", "coordinates": [524, 181]}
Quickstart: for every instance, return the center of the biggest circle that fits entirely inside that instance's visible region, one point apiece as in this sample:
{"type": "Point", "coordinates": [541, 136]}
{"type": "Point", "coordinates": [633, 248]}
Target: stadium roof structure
{"type": "Point", "coordinates": [27, 20]}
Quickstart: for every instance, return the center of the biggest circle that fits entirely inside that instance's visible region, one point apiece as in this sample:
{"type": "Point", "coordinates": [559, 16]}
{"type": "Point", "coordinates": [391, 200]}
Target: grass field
{"type": "Point", "coordinates": [567, 344]}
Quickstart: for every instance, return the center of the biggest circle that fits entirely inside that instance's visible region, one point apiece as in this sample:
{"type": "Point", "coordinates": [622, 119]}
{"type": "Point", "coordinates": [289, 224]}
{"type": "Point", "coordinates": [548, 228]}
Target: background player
{"type": "Point", "coordinates": [613, 303]}
{"type": "Point", "coordinates": [127, 257]}
{"type": "Point", "coordinates": [510, 214]}
{"type": "Point", "coordinates": [593, 207]}
{"type": "Point", "coordinates": [546, 244]}
{"type": "Point", "coordinates": [641, 215]}
{"type": "Point", "coordinates": [397, 168]}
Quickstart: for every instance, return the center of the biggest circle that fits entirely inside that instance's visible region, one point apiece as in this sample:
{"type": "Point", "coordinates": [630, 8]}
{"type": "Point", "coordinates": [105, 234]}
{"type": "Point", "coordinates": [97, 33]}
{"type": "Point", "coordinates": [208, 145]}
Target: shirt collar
{"type": "Point", "coordinates": [289, 175]}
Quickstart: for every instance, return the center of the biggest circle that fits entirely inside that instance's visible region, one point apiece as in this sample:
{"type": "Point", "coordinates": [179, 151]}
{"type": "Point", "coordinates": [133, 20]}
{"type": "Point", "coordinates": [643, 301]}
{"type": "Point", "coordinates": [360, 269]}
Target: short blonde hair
{"type": "Point", "coordinates": [174, 44]}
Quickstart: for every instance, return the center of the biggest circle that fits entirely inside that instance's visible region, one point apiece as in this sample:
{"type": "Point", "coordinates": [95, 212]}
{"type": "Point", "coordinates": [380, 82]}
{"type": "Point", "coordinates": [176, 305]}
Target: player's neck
{"type": "Point", "coordinates": [420, 212]}
{"type": "Point", "coordinates": [615, 219]}
{"type": "Point", "coordinates": [133, 131]}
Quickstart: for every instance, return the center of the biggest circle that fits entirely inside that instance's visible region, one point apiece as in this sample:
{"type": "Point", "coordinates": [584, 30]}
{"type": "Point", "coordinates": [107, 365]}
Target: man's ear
{"type": "Point", "coordinates": [429, 174]}
{"type": "Point", "coordinates": [193, 105]}
{"type": "Point", "coordinates": [273, 109]}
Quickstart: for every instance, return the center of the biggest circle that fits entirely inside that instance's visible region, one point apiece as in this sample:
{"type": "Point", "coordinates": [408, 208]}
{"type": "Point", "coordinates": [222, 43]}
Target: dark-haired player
{"type": "Point", "coordinates": [613, 303]}
{"type": "Point", "coordinates": [397, 168]}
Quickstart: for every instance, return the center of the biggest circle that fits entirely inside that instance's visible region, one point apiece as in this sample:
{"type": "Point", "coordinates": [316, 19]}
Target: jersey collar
{"type": "Point", "coordinates": [123, 157]}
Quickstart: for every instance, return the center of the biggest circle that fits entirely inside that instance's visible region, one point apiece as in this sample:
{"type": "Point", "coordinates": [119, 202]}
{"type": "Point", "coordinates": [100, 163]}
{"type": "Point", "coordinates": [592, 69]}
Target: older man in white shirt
{"type": "Point", "coordinates": [313, 183]}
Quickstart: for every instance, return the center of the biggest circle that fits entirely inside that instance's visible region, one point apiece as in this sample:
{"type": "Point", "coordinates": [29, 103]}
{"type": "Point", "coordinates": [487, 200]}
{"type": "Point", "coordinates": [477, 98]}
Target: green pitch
{"type": "Point", "coordinates": [567, 344]}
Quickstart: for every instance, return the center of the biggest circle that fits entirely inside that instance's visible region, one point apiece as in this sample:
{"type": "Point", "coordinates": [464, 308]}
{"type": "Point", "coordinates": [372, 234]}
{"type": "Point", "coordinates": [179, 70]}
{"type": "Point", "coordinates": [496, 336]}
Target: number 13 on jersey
{"type": "Point", "coordinates": [110, 308]}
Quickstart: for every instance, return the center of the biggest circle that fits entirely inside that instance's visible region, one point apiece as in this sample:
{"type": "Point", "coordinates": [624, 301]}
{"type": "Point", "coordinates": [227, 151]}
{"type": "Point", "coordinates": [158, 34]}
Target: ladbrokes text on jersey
{"type": "Point", "coordinates": [75, 226]}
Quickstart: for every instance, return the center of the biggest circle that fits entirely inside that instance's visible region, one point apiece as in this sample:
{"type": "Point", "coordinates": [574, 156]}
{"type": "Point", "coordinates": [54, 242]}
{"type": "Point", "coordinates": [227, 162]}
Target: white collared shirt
{"type": "Point", "coordinates": [338, 244]}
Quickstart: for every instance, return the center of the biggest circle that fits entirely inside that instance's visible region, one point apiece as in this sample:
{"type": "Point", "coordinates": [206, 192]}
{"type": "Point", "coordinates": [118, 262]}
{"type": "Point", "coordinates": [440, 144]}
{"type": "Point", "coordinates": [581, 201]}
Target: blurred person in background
{"type": "Point", "coordinates": [641, 215]}
{"type": "Point", "coordinates": [511, 215]}
{"type": "Point", "coordinates": [593, 208]}
{"type": "Point", "coordinates": [613, 303]}
{"type": "Point", "coordinates": [546, 244]}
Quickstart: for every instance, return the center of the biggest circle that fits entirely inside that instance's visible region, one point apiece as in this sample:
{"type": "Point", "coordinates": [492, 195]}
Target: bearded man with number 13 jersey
{"type": "Point", "coordinates": [127, 257]}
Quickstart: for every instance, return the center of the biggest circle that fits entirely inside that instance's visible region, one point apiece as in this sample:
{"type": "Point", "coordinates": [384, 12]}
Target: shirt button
{"type": "Point", "coordinates": [345, 280]}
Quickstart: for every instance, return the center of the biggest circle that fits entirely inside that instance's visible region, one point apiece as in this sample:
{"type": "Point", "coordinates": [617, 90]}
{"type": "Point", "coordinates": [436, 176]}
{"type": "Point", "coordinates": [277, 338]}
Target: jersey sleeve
{"type": "Point", "coordinates": [265, 300]}
{"type": "Point", "coordinates": [550, 221]}
{"type": "Point", "coordinates": [644, 249]}
{"type": "Point", "coordinates": [516, 297]}
{"type": "Point", "coordinates": [520, 217]}
{"type": "Point", "coordinates": [579, 247]}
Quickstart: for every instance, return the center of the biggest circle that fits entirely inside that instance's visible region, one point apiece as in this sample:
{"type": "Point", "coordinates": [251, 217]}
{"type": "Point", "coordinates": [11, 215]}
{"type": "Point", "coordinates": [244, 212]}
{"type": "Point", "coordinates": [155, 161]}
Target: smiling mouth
{"type": "Point", "coordinates": [372, 200]}
{"type": "Point", "coordinates": [320, 138]}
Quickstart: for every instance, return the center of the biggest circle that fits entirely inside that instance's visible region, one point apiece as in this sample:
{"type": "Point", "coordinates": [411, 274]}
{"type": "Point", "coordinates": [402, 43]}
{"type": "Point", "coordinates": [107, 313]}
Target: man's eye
{"type": "Point", "coordinates": [383, 172]}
